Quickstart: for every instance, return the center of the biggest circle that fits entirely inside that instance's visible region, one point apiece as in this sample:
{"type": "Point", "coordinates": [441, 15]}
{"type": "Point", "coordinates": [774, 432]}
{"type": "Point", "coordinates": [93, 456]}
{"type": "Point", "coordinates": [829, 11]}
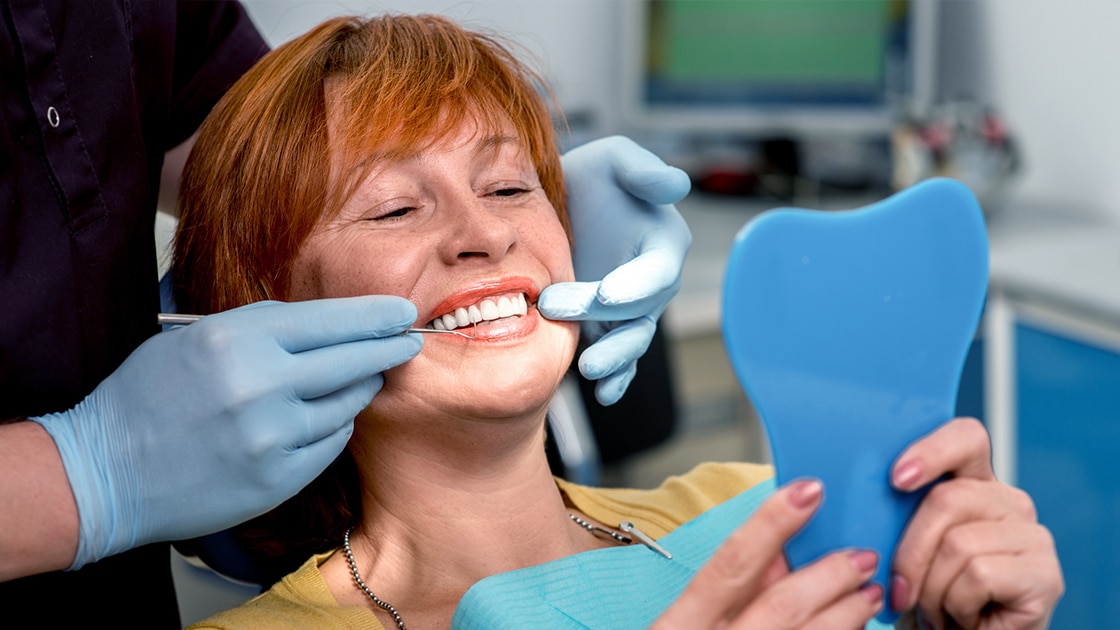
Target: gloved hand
{"type": "Point", "coordinates": [208, 425]}
{"type": "Point", "coordinates": [630, 245]}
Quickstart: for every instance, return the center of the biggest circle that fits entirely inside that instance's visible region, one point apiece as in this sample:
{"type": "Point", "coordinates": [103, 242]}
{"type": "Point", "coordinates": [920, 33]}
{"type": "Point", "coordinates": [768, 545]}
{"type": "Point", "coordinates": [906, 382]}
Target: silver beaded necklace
{"type": "Point", "coordinates": [595, 530]}
{"type": "Point", "coordinates": [362, 585]}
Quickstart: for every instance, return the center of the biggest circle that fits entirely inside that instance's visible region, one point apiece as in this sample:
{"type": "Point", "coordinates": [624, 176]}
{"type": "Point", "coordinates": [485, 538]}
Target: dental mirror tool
{"type": "Point", "coordinates": [848, 330]}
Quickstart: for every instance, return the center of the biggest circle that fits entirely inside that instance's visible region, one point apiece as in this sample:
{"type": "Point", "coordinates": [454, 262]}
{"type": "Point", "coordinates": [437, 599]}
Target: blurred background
{"type": "Point", "coordinates": [832, 105]}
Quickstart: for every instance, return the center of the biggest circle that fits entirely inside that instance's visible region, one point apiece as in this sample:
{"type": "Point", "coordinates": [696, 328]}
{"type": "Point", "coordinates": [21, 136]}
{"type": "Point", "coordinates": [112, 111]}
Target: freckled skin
{"type": "Point", "coordinates": [460, 217]}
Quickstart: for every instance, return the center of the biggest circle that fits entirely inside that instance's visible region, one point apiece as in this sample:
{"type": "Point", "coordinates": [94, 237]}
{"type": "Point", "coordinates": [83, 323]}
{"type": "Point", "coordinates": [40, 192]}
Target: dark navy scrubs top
{"type": "Point", "coordinates": [92, 94]}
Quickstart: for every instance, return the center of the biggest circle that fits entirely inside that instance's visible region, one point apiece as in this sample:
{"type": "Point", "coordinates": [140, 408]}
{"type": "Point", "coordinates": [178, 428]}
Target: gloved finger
{"type": "Point", "coordinates": [619, 347]}
{"type": "Point", "coordinates": [333, 416]}
{"type": "Point", "coordinates": [318, 419]}
{"type": "Point", "coordinates": [580, 301]}
{"type": "Point", "coordinates": [321, 371]}
{"type": "Point", "coordinates": [569, 300]}
{"type": "Point", "coordinates": [645, 175]}
{"type": "Point", "coordinates": [312, 459]}
{"type": "Point", "coordinates": [610, 389]}
{"type": "Point", "coordinates": [298, 467]}
{"type": "Point", "coordinates": [299, 326]}
{"type": "Point", "coordinates": [657, 267]}
{"type": "Point", "coordinates": [654, 275]}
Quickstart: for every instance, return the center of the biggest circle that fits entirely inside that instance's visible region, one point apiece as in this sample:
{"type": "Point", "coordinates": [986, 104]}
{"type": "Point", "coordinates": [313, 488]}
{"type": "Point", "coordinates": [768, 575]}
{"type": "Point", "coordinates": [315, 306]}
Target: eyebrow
{"type": "Point", "coordinates": [489, 142]}
{"type": "Point", "coordinates": [497, 141]}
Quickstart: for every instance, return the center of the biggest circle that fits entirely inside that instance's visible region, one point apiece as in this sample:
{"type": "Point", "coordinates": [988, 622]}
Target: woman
{"type": "Point", "coordinates": [406, 156]}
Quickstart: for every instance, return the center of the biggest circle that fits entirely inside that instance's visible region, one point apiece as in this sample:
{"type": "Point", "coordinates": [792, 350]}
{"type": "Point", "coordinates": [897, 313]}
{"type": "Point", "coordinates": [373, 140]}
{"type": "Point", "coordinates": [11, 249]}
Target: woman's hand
{"type": "Point", "coordinates": [974, 554]}
{"type": "Point", "coordinates": [747, 583]}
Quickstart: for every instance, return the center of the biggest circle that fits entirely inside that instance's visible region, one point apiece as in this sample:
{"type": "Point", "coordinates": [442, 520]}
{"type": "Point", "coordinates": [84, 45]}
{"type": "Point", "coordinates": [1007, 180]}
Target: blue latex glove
{"type": "Point", "coordinates": [208, 425]}
{"type": "Point", "coordinates": [630, 245]}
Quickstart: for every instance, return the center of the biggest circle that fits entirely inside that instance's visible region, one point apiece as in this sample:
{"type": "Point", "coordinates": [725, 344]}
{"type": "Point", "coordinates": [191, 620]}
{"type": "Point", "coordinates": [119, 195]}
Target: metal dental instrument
{"type": "Point", "coordinates": [178, 319]}
{"type": "Point", "coordinates": [630, 528]}
{"type": "Point", "coordinates": [447, 332]}
{"type": "Point", "coordinates": [175, 319]}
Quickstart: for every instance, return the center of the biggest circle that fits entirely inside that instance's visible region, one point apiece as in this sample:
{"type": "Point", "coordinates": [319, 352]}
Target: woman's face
{"type": "Point", "coordinates": [464, 231]}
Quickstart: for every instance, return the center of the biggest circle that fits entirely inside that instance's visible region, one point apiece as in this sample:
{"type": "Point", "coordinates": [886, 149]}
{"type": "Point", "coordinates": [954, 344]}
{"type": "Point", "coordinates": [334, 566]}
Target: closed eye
{"type": "Point", "coordinates": [509, 192]}
{"type": "Point", "coordinates": [399, 213]}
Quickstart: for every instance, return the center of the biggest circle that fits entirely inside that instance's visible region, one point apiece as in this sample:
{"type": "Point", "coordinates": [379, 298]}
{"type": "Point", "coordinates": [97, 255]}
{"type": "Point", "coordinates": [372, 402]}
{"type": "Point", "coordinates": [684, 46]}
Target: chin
{"type": "Point", "coordinates": [498, 382]}
{"type": "Point", "coordinates": [509, 386]}
{"type": "Point", "coordinates": [513, 397]}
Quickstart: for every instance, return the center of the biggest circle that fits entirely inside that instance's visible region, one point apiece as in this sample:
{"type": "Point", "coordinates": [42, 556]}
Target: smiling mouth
{"type": "Point", "coordinates": [485, 311]}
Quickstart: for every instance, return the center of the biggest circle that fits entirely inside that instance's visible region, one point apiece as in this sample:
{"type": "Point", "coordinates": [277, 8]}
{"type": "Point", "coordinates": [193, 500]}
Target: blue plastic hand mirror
{"type": "Point", "coordinates": [848, 330]}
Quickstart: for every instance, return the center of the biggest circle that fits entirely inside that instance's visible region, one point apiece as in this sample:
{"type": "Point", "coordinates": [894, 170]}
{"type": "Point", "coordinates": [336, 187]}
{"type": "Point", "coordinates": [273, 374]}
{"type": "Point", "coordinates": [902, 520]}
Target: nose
{"type": "Point", "coordinates": [477, 231]}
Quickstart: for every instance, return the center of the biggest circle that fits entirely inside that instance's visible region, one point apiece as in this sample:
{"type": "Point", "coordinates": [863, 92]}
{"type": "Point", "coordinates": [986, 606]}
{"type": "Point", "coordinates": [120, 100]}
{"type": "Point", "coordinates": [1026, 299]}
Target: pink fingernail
{"type": "Point", "coordinates": [805, 494]}
{"type": "Point", "coordinates": [873, 593]}
{"type": "Point", "coordinates": [907, 475]}
{"type": "Point", "coordinates": [864, 561]}
{"type": "Point", "coordinates": [900, 593]}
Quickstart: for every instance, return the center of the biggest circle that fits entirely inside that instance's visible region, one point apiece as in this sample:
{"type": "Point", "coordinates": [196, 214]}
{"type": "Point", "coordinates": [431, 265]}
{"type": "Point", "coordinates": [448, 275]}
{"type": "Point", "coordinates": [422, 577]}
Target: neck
{"type": "Point", "coordinates": [447, 505]}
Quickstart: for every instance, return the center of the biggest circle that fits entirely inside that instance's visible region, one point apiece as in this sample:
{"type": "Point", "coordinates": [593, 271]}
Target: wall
{"type": "Point", "coordinates": [573, 39]}
{"type": "Point", "coordinates": [1050, 67]}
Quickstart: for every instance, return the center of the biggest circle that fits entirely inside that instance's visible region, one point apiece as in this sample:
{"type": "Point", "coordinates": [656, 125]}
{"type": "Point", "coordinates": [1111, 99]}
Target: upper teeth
{"type": "Point", "coordinates": [486, 310]}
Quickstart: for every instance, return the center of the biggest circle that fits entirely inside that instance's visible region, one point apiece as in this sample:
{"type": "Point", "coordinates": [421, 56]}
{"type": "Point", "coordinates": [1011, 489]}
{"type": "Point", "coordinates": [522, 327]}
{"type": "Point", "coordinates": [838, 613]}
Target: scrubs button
{"type": "Point", "coordinates": [52, 116]}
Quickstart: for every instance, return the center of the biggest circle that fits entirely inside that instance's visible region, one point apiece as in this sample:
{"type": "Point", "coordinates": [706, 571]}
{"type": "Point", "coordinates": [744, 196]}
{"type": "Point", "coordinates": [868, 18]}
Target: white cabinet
{"type": "Point", "coordinates": [1052, 398]}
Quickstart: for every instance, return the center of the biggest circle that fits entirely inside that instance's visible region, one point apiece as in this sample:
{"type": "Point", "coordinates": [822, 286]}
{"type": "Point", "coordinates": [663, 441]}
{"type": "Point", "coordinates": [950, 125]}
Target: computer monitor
{"type": "Point", "coordinates": [776, 68]}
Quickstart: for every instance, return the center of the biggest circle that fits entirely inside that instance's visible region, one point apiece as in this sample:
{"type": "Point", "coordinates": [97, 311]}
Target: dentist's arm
{"type": "Point", "coordinates": [38, 516]}
{"type": "Point", "coordinates": [205, 426]}
{"type": "Point", "coordinates": [630, 245]}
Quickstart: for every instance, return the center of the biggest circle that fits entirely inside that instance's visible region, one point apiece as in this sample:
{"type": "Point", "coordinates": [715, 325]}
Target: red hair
{"type": "Point", "coordinates": [259, 178]}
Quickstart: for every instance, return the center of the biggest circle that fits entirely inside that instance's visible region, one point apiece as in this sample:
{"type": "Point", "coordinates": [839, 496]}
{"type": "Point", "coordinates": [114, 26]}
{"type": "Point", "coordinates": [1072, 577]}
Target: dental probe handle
{"type": "Point", "coordinates": [175, 319]}
{"type": "Point", "coordinates": [180, 319]}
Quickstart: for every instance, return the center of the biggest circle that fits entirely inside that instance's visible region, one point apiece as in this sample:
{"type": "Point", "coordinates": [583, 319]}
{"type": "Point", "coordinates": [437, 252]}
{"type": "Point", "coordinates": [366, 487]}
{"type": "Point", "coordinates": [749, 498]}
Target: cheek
{"type": "Point", "coordinates": [553, 249]}
{"type": "Point", "coordinates": [307, 279]}
{"type": "Point", "coordinates": [561, 263]}
{"type": "Point", "coordinates": [571, 340]}
{"type": "Point", "coordinates": [338, 267]}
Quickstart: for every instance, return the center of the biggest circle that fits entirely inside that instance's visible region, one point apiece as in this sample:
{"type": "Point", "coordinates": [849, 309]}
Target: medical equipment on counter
{"type": "Point", "coordinates": [967, 141]}
{"type": "Point", "coordinates": [848, 330]}
{"type": "Point", "coordinates": [177, 319]}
